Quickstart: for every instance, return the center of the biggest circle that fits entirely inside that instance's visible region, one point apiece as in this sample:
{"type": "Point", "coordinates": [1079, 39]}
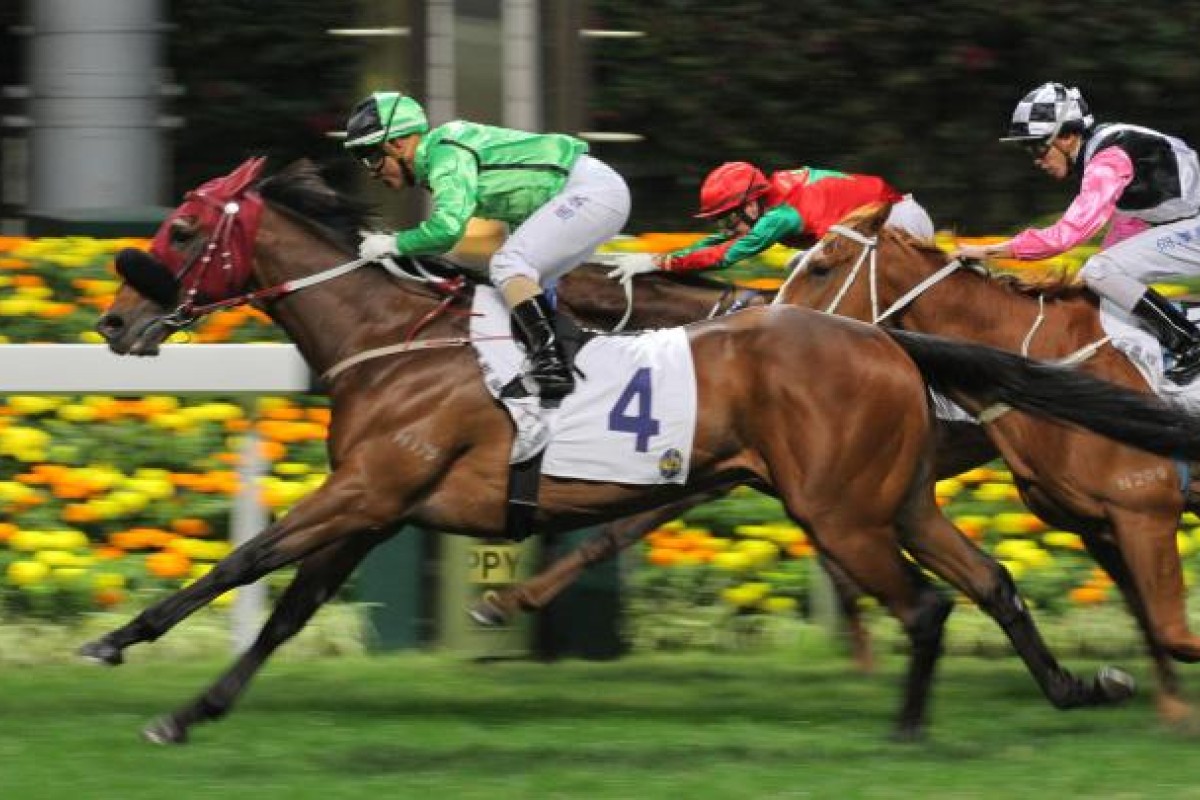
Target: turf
{"type": "Point", "coordinates": [781, 725]}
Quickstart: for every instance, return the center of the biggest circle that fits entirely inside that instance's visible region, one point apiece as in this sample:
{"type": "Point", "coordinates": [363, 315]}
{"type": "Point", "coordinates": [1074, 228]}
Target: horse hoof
{"type": "Point", "coordinates": [101, 652]}
{"type": "Point", "coordinates": [1115, 685]}
{"type": "Point", "coordinates": [908, 735]}
{"type": "Point", "coordinates": [165, 730]}
{"type": "Point", "coordinates": [487, 612]}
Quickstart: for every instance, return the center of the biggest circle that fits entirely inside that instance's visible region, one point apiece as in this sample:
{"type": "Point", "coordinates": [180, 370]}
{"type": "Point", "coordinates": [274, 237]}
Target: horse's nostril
{"type": "Point", "coordinates": [110, 325]}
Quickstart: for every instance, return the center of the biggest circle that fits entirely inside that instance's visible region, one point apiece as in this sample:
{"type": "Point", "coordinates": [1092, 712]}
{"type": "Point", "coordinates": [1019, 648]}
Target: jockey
{"type": "Point", "coordinates": [1145, 182]}
{"type": "Point", "coordinates": [791, 207]}
{"type": "Point", "coordinates": [562, 202]}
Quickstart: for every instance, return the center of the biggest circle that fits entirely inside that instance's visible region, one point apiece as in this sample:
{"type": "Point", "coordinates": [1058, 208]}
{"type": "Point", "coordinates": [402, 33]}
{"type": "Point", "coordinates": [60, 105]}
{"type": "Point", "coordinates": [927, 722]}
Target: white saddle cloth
{"type": "Point", "coordinates": [1144, 352]}
{"type": "Point", "coordinates": [631, 418]}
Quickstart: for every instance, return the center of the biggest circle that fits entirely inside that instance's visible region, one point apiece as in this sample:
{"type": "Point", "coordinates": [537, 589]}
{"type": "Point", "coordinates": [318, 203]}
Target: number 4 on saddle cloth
{"type": "Point", "coordinates": [632, 415]}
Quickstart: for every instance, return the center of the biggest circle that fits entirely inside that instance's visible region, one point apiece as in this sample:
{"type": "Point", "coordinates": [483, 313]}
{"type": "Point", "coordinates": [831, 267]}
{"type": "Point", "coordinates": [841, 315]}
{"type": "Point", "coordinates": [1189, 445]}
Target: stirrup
{"type": "Point", "coordinates": [553, 385]}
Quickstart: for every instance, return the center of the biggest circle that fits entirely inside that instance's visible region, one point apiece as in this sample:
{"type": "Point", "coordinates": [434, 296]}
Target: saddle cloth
{"type": "Point", "coordinates": [631, 418]}
{"type": "Point", "coordinates": [1144, 352]}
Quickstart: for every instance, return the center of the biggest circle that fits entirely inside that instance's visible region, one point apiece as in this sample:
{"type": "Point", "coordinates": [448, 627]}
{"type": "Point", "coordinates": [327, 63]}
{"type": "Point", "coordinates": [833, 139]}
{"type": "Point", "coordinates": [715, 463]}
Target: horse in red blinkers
{"type": "Point", "coordinates": [830, 415]}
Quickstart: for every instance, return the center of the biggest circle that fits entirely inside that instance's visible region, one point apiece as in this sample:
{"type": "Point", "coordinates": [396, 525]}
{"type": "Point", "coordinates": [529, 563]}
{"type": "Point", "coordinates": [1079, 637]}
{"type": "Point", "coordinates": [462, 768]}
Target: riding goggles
{"type": "Point", "coordinates": [370, 156]}
{"type": "Point", "coordinates": [1037, 149]}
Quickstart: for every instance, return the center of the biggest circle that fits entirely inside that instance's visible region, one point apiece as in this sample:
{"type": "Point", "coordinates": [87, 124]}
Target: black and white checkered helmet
{"type": "Point", "coordinates": [1047, 111]}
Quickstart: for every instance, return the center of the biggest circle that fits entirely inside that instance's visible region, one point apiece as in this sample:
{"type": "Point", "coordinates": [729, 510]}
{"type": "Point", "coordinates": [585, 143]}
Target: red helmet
{"type": "Point", "coordinates": [730, 186]}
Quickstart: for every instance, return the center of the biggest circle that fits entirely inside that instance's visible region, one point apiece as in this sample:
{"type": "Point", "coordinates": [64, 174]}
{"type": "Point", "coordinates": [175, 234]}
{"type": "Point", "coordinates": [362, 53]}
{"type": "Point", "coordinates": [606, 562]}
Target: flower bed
{"type": "Point", "coordinates": [106, 501]}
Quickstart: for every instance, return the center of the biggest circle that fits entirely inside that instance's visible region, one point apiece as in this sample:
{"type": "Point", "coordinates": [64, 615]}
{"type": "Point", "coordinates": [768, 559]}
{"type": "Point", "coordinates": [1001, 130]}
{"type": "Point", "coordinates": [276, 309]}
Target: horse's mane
{"type": "Point", "coordinates": [300, 190]}
{"type": "Point", "coordinates": [1061, 286]}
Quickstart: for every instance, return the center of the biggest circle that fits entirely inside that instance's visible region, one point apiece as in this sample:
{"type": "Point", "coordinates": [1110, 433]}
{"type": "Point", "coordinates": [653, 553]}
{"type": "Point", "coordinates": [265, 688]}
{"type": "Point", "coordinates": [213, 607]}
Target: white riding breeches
{"type": "Point", "coordinates": [1122, 272]}
{"type": "Point", "coordinates": [592, 208]}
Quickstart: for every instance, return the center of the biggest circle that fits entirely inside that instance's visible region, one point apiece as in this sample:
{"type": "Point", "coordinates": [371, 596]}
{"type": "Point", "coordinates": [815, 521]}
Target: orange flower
{"type": "Point", "coordinates": [169, 564]}
{"type": "Point", "coordinates": [190, 526]}
{"type": "Point", "coordinates": [272, 451]}
{"type": "Point", "coordinates": [106, 552]}
{"type": "Point", "coordinates": [7, 529]}
{"type": "Point", "coordinates": [285, 413]}
{"type": "Point", "coordinates": [1088, 595]}
{"type": "Point", "coordinates": [77, 513]}
{"type": "Point", "coordinates": [662, 557]}
{"type": "Point", "coordinates": [800, 550]}
{"type": "Point", "coordinates": [107, 598]}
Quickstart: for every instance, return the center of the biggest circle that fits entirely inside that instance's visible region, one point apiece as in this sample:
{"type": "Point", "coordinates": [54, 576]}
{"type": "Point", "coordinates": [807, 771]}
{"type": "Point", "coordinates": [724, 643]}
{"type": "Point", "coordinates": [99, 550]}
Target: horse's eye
{"type": "Point", "coordinates": [182, 231]}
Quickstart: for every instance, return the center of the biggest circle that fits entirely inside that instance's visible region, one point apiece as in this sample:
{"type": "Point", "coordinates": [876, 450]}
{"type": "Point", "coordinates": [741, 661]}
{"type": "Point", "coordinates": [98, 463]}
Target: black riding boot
{"type": "Point", "coordinates": [535, 325]}
{"type": "Point", "coordinates": [1175, 331]}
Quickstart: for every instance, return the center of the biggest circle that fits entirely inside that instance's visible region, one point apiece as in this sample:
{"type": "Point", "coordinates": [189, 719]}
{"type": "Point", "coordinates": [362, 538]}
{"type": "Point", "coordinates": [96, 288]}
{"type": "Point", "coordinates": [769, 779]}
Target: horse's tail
{"type": "Point", "coordinates": [992, 376]}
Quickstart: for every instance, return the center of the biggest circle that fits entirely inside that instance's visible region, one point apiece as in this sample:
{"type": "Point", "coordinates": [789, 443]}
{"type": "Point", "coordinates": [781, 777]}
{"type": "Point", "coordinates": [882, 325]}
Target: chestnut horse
{"type": "Point", "coordinates": [1123, 502]}
{"type": "Point", "coordinates": [415, 437]}
{"type": "Point", "coordinates": [658, 300]}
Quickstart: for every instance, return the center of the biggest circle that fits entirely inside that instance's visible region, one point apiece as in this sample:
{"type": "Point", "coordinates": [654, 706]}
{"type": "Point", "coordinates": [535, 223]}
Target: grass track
{"type": "Point", "coordinates": [694, 726]}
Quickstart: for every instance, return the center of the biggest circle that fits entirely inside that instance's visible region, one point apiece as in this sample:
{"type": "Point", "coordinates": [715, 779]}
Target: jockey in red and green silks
{"type": "Point", "coordinates": [792, 207]}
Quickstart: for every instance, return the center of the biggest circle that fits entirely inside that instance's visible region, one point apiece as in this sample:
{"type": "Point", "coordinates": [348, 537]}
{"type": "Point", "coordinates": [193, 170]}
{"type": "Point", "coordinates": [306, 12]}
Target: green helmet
{"type": "Point", "coordinates": [382, 117]}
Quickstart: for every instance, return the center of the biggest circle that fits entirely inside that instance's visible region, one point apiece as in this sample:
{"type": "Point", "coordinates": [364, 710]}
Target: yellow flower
{"type": "Point", "coordinates": [27, 573]}
{"type": "Point", "coordinates": [108, 580]}
{"type": "Point", "coordinates": [778, 605]}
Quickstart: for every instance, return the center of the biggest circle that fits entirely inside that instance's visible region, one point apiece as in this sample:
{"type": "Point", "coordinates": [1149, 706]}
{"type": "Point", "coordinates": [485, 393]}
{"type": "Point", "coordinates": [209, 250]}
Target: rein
{"type": "Point", "coordinates": [870, 254]}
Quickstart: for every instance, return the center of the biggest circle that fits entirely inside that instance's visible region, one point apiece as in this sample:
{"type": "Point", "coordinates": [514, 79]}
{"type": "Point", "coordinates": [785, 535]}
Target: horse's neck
{"type": "Point", "coordinates": [342, 317]}
{"type": "Point", "coordinates": [973, 308]}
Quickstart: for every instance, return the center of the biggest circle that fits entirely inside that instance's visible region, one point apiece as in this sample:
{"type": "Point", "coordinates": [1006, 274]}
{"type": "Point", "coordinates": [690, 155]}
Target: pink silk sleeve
{"type": "Point", "coordinates": [1104, 178]}
{"type": "Point", "coordinates": [1123, 226]}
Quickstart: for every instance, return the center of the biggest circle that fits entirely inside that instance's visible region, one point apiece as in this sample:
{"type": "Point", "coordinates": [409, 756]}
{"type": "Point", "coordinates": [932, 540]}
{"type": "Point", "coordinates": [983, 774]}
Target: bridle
{"type": "Point", "coordinates": [870, 256]}
{"type": "Point", "coordinates": [219, 244]}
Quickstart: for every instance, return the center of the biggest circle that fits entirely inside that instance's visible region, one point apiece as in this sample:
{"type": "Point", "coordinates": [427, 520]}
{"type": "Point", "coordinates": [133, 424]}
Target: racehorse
{"type": "Point", "coordinates": [658, 300]}
{"type": "Point", "coordinates": [1124, 503]}
{"type": "Point", "coordinates": [416, 438]}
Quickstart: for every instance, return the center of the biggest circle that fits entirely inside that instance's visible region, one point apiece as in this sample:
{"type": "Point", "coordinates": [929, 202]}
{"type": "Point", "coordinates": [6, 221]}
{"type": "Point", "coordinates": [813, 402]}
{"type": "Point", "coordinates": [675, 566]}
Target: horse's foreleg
{"type": "Point", "coordinates": [317, 579]}
{"type": "Point", "coordinates": [937, 545]}
{"type": "Point", "coordinates": [335, 511]}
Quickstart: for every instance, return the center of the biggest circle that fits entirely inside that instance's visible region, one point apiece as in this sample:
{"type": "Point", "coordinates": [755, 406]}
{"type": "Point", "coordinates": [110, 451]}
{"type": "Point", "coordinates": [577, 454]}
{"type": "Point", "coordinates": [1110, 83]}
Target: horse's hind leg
{"type": "Point", "coordinates": [535, 593]}
{"type": "Point", "coordinates": [848, 595]}
{"type": "Point", "coordinates": [1172, 707]}
{"type": "Point", "coordinates": [317, 579]}
{"type": "Point", "coordinates": [937, 545]}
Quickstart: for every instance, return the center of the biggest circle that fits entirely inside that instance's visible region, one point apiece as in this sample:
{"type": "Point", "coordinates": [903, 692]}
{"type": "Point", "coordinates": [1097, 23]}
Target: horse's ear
{"type": "Point", "coordinates": [245, 175]}
{"type": "Point", "coordinates": [874, 216]}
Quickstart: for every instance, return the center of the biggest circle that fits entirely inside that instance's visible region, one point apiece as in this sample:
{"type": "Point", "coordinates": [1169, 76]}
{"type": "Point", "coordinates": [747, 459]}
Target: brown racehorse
{"type": "Point", "coordinates": [660, 300]}
{"type": "Point", "coordinates": [415, 437]}
{"type": "Point", "coordinates": [1125, 503]}
{"type": "Point", "coordinates": [656, 300]}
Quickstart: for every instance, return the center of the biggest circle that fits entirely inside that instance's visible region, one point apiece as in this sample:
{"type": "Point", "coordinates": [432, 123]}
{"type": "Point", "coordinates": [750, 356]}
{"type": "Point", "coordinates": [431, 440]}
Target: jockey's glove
{"type": "Point", "coordinates": [375, 246]}
{"type": "Point", "coordinates": [631, 264]}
